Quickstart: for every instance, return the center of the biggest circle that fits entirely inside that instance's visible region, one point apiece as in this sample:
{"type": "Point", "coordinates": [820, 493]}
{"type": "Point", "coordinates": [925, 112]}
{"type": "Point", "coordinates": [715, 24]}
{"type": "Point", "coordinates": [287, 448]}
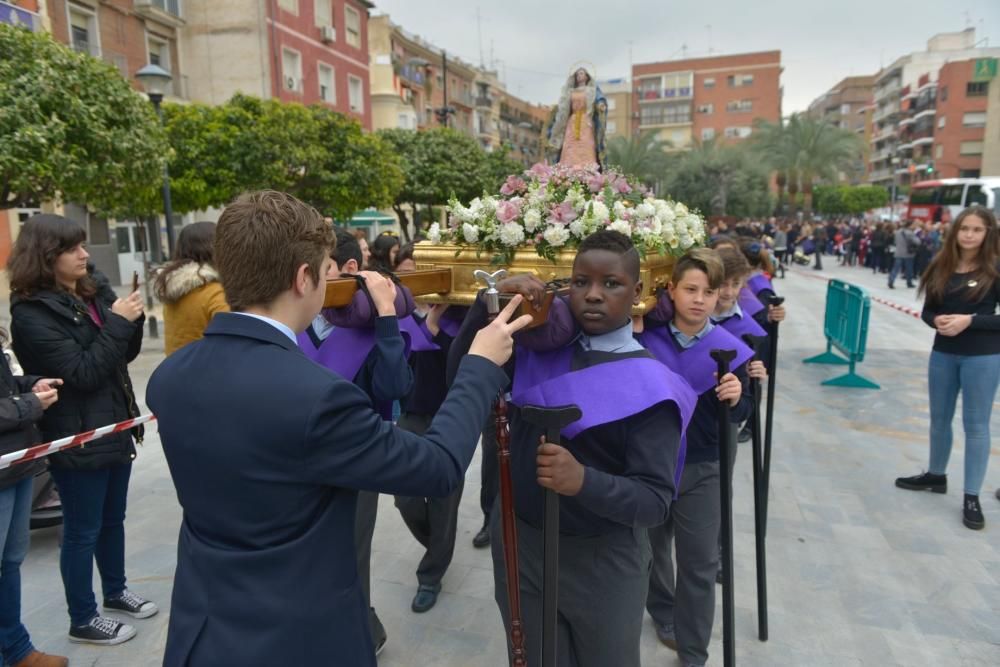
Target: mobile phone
{"type": "Point", "coordinates": [135, 281]}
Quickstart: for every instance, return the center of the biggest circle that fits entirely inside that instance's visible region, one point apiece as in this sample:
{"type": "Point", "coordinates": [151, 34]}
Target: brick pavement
{"type": "Point", "coordinates": [861, 573]}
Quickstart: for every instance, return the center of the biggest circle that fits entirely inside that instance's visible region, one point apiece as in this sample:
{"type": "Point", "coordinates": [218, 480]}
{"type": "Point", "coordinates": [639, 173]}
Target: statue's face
{"type": "Point", "coordinates": [581, 77]}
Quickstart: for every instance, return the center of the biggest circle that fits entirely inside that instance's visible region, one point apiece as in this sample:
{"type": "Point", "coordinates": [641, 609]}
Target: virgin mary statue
{"type": "Point", "coordinates": [576, 136]}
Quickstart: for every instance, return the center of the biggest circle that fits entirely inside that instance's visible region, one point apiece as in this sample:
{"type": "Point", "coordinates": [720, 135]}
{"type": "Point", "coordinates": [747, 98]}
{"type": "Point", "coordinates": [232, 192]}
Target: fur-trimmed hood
{"type": "Point", "coordinates": [185, 279]}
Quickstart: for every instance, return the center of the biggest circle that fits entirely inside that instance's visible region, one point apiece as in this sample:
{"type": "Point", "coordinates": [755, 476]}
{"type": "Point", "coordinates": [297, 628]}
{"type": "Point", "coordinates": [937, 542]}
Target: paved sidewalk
{"type": "Point", "coordinates": [861, 573]}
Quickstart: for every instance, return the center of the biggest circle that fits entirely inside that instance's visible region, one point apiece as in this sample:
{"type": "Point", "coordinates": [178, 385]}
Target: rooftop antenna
{"type": "Point", "coordinates": [479, 29]}
{"type": "Point", "coordinates": [493, 60]}
{"type": "Point", "coordinates": [630, 42]}
{"type": "Point", "coordinates": [684, 50]}
{"type": "Point", "coordinates": [710, 49]}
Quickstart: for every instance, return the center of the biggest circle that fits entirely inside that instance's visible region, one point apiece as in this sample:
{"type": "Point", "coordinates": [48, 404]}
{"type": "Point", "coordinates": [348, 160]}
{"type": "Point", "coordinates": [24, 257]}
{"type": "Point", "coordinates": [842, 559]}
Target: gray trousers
{"type": "Point", "coordinates": [432, 521]}
{"type": "Point", "coordinates": [602, 589]}
{"type": "Point", "coordinates": [693, 525]}
{"type": "Point", "coordinates": [364, 530]}
{"type": "Point", "coordinates": [490, 470]}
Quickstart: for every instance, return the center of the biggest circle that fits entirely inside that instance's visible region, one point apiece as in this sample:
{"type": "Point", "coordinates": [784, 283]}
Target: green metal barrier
{"type": "Point", "coordinates": [845, 326]}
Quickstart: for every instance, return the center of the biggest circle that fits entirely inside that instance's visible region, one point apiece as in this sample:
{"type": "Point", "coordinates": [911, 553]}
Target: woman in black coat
{"type": "Point", "coordinates": [22, 401]}
{"type": "Point", "coordinates": [64, 326]}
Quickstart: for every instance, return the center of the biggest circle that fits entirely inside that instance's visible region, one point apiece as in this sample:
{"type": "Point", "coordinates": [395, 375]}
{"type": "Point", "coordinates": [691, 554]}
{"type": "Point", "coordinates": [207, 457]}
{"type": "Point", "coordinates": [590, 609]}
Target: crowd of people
{"type": "Point", "coordinates": [279, 479]}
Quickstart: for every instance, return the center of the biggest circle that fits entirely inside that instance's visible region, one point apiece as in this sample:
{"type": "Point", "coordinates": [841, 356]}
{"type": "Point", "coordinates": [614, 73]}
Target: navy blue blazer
{"type": "Point", "coordinates": [267, 451]}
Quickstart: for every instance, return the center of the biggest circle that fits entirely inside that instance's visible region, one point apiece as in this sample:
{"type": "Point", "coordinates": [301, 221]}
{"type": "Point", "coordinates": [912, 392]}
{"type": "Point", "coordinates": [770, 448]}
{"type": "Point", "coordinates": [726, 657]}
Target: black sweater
{"type": "Point", "coordinates": [429, 378]}
{"type": "Point", "coordinates": [983, 335]}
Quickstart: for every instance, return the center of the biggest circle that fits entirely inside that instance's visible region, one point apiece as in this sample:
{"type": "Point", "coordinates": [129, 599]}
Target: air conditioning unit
{"type": "Point", "coordinates": [328, 34]}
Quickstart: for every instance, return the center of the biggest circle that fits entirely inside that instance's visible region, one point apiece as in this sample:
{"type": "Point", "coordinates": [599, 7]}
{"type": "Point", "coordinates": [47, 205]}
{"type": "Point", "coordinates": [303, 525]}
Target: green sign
{"type": "Point", "coordinates": [986, 69]}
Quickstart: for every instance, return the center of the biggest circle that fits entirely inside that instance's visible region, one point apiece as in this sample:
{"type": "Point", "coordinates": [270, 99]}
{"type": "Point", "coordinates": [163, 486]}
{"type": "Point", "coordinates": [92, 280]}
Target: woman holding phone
{"type": "Point", "coordinates": [63, 327]}
{"type": "Point", "coordinates": [962, 285]}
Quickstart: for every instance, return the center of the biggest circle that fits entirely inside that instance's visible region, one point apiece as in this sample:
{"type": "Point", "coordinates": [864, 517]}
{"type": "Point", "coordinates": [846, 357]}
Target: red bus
{"type": "Point", "coordinates": [942, 200]}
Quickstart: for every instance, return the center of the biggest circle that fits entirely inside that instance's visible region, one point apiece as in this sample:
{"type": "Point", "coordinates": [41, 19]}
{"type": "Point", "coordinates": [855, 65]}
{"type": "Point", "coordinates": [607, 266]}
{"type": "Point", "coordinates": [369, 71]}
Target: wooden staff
{"type": "Point", "coordinates": [340, 292]}
{"type": "Point", "coordinates": [772, 369]}
{"type": "Point", "coordinates": [722, 360]}
{"type": "Point", "coordinates": [518, 655]}
{"type": "Point", "coordinates": [758, 504]}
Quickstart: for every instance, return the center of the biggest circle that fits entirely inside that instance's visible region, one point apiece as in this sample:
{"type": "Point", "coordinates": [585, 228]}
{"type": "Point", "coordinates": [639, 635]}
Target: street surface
{"type": "Point", "coordinates": [861, 573]}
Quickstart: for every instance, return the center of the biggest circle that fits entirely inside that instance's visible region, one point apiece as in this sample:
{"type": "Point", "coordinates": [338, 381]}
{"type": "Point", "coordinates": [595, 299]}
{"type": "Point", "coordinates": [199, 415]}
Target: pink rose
{"type": "Point", "coordinates": [508, 211]}
{"type": "Point", "coordinates": [622, 186]}
{"type": "Point", "coordinates": [564, 213]}
{"type": "Point", "coordinates": [595, 183]}
{"type": "Point", "coordinates": [513, 185]}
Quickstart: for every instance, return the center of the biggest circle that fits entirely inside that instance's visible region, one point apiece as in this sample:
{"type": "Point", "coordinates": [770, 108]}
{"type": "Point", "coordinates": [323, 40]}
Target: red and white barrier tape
{"type": "Point", "coordinates": [69, 442]}
{"type": "Point", "coordinates": [903, 309]}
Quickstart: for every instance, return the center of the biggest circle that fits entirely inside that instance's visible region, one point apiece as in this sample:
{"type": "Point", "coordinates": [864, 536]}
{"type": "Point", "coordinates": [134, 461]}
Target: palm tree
{"type": "Point", "coordinates": [806, 150]}
{"type": "Point", "coordinates": [643, 157]}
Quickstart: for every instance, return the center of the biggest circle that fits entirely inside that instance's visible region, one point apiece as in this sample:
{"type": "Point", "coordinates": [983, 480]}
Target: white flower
{"type": "Point", "coordinates": [556, 235]}
{"type": "Point", "coordinates": [620, 209]}
{"type": "Point", "coordinates": [600, 211]}
{"type": "Point", "coordinates": [622, 226]}
{"type": "Point", "coordinates": [645, 209]}
{"type": "Point", "coordinates": [680, 210]}
{"type": "Point", "coordinates": [475, 207]}
{"type": "Point", "coordinates": [664, 212]}
{"type": "Point", "coordinates": [470, 233]}
{"type": "Point", "coordinates": [532, 219]}
{"type": "Point", "coordinates": [434, 233]}
{"type": "Point", "coordinates": [576, 199]}
{"type": "Point", "coordinates": [511, 234]}
{"type": "Point", "coordinates": [577, 229]}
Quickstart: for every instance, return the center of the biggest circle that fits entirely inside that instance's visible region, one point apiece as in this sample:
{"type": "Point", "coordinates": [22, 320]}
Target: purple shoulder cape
{"type": "Point", "coordinates": [741, 326]}
{"type": "Point", "coordinates": [344, 351]}
{"type": "Point", "coordinates": [759, 283]}
{"type": "Point", "coordinates": [545, 379]}
{"type": "Point", "coordinates": [749, 302]}
{"type": "Point", "coordinates": [695, 364]}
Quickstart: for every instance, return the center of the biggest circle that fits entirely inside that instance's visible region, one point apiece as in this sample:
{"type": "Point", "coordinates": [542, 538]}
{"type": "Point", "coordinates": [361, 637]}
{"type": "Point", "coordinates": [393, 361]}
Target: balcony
{"type": "Point", "coordinates": [484, 102]}
{"type": "Point", "coordinates": [413, 74]}
{"type": "Point", "coordinates": [880, 175]}
{"type": "Point", "coordinates": [665, 94]}
{"type": "Point", "coordinates": [167, 12]}
{"type": "Point", "coordinates": [464, 99]}
{"type": "Point", "coordinates": [16, 16]}
{"type": "Point", "coordinates": [81, 46]}
{"type": "Point", "coordinates": [883, 134]}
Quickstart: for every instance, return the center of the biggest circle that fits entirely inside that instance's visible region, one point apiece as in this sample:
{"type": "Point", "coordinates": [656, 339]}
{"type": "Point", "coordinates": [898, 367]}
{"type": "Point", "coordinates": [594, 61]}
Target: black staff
{"type": "Point", "coordinates": [553, 420]}
{"type": "Point", "coordinates": [722, 359]}
{"type": "Point", "coordinates": [772, 370]}
{"type": "Point", "coordinates": [758, 503]}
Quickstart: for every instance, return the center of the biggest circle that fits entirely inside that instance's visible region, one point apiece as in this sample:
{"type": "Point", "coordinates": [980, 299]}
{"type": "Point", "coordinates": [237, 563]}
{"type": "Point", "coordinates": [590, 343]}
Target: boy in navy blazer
{"type": "Point", "coordinates": [268, 451]}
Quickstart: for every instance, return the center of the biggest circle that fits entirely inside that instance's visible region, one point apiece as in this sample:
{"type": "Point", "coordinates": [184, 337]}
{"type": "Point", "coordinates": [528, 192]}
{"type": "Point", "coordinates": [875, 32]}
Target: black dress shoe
{"type": "Point", "coordinates": [482, 538]}
{"type": "Point", "coordinates": [998, 494]}
{"type": "Point", "coordinates": [746, 434]}
{"type": "Point", "coordinates": [924, 482]}
{"type": "Point", "coordinates": [426, 597]}
{"type": "Point", "coordinates": [972, 513]}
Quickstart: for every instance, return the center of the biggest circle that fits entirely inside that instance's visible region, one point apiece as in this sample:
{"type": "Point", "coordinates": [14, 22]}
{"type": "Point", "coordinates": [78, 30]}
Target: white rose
{"type": "Point", "coordinates": [622, 226]}
{"type": "Point", "coordinates": [556, 235]}
{"type": "Point", "coordinates": [619, 209]}
{"type": "Point", "coordinates": [665, 213]}
{"type": "Point", "coordinates": [601, 212]}
{"type": "Point", "coordinates": [511, 234]}
{"type": "Point", "coordinates": [680, 210]}
{"type": "Point", "coordinates": [475, 207]}
{"type": "Point", "coordinates": [577, 229]}
{"type": "Point", "coordinates": [470, 233]}
{"type": "Point", "coordinates": [645, 210]}
{"type": "Point", "coordinates": [434, 233]}
{"type": "Point", "coordinates": [532, 219]}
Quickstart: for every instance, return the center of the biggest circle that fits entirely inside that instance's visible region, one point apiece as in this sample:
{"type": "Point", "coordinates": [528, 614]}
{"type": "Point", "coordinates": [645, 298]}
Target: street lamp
{"type": "Point", "coordinates": [893, 163]}
{"type": "Point", "coordinates": [155, 80]}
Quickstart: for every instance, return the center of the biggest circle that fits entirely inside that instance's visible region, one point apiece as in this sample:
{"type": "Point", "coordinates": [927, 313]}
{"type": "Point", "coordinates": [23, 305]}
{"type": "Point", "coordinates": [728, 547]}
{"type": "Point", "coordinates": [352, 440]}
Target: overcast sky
{"type": "Point", "coordinates": [536, 42]}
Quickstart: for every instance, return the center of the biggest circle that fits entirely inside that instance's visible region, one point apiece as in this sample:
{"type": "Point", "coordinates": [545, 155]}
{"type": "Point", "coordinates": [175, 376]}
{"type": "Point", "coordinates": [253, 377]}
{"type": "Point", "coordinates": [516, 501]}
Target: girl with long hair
{"type": "Point", "coordinates": [383, 253]}
{"type": "Point", "coordinates": [189, 288]}
{"type": "Point", "coordinates": [64, 327]}
{"type": "Point", "coordinates": [962, 288]}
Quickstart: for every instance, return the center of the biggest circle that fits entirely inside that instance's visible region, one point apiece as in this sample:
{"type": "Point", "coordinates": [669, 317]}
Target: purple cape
{"type": "Point", "coordinates": [740, 326]}
{"type": "Point", "coordinates": [344, 351]}
{"type": "Point", "coordinates": [749, 302]}
{"type": "Point", "coordinates": [758, 283]}
{"type": "Point", "coordinates": [695, 364]}
{"type": "Point", "coordinates": [421, 339]}
{"type": "Point", "coordinates": [545, 379]}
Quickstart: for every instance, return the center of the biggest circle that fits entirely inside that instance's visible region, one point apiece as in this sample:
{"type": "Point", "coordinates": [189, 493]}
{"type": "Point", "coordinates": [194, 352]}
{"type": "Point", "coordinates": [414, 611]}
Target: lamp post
{"type": "Point", "coordinates": [893, 163]}
{"type": "Point", "coordinates": [154, 80]}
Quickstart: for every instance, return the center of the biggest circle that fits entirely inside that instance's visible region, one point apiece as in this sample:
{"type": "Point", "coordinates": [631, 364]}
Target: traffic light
{"type": "Point", "coordinates": [930, 167]}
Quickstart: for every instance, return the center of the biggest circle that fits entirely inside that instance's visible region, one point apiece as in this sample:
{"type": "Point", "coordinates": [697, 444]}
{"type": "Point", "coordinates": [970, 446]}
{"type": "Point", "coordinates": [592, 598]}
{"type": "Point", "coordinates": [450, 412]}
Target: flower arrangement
{"type": "Point", "coordinates": [551, 208]}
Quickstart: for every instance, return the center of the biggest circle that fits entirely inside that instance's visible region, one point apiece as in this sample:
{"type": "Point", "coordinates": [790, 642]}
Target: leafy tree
{"type": "Point", "coordinates": [719, 179]}
{"type": "Point", "coordinates": [849, 199]}
{"type": "Point", "coordinates": [806, 150]}
{"type": "Point", "coordinates": [71, 127]}
{"type": "Point", "coordinates": [437, 164]}
{"type": "Point", "coordinates": [642, 157]}
{"type": "Point", "coordinates": [318, 155]}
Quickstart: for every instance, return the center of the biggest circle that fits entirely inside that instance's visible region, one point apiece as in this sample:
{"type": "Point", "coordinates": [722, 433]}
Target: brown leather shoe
{"type": "Point", "coordinates": [39, 659]}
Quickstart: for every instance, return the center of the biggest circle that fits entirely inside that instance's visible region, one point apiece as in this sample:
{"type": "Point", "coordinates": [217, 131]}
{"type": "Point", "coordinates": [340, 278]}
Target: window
{"type": "Point", "coordinates": [291, 70]}
{"type": "Point", "coordinates": [977, 88]}
{"type": "Point", "coordinates": [941, 122]}
{"type": "Point", "coordinates": [938, 152]}
{"type": "Point", "coordinates": [974, 119]}
{"type": "Point", "coordinates": [975, 195]}
{"type": "Point", "coordinates": [739, 106]}
{"type": "Point", "coordinates": [403, 121]}
{"type": "Point", "coordinates": [970, 148]}
{"type": "Point", "coordinates": [649, 89]}
{"type": "Point", "coordinates": [159, 53]}
{"type": "Point", "coordinates": [352, 25]}
{"type": "Point", "coordinates": [737, 80]}
{"type": "Point", "coordinates": [83, 30]}
{"type": "Point", "coordinates": [169, 6]}
{"type": "Point", "coordinates": [845, 109]}
{"type": "Point", "coordinates": [355, 94]}
{"type": "Point", "coordinates": [943, 94]}
{"type": "Point", "coordinates": [611, 103]}
{"type": "Point", "coordinates": [664, 114]}
{"type": "Point", "coordinates": [323, 10]}
{"type": "Point", "coordinates": [706, 108]}
{"type": "Point", "coordinates": [738, 132]}
{"type": "Point", "coordinates": [23, 214]}
{"type": "Point", "coordinates": [709, 83]}
{"type": "Point", "coordinates": [677, 85]}
{"type": "Point", "coordinates": [707, 134]}
{"type": "Point", "coordinates": [612, 127]}
{"type": "Point", "coordinates": [327, 91]}
{"type": "Point", "coordinates": [289, 5]}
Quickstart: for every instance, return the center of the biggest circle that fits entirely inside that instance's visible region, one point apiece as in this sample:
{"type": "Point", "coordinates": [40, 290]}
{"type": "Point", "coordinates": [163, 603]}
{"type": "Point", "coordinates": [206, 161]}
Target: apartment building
{"type": "Point", "coordinates": [699, 99]}
{"type": "Point", "coordinates": [618, 92]}
{"type": "Point", "coordinates": [908, 131]}
{"type": "Point", "coordinates": [847, 105]}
